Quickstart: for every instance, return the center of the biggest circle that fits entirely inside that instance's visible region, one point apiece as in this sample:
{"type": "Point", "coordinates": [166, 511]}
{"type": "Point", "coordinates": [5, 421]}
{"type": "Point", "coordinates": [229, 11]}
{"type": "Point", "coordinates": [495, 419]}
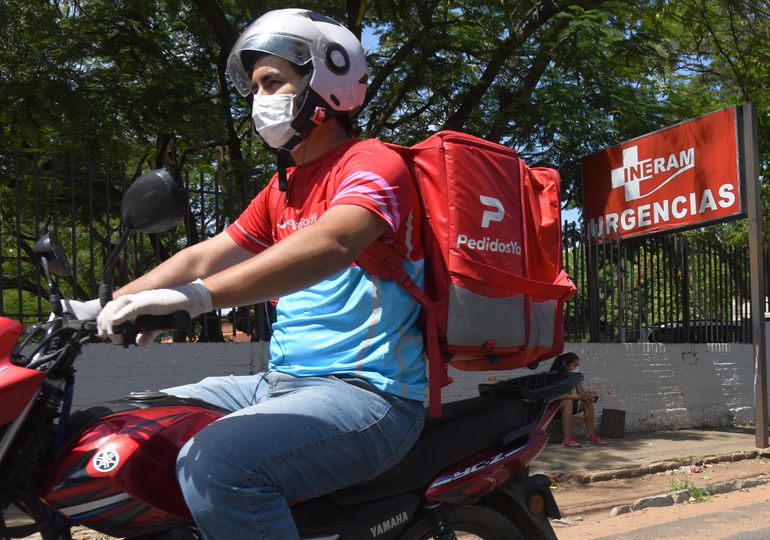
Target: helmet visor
{"type": "Point", "coordinates": [285, 46]}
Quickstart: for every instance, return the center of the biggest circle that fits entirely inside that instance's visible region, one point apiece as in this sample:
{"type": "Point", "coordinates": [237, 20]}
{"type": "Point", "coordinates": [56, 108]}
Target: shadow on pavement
{"type": "Point", "coordinates": [637, 449]}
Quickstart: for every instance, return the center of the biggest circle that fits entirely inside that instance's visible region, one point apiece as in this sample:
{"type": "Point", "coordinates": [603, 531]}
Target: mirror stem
{"type": "Point", "coordinates": [53, 297]}
{"type": "Point", "coordinates": [105, 289]}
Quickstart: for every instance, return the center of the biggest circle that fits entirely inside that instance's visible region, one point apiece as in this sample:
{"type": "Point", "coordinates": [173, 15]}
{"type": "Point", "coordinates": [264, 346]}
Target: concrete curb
{"type": "Point", "coordinates": [679, 497]}
{"type": "Point", "coordinates": [588, 477]}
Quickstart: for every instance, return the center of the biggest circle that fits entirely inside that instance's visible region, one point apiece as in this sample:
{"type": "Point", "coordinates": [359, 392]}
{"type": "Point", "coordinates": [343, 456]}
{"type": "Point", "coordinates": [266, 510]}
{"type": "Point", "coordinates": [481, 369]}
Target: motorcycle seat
{"type": "Point", "coordinates": [466, 427]}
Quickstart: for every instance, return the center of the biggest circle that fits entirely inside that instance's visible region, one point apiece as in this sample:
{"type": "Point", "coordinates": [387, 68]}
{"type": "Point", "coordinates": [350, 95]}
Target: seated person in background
{"type": "Point", "coordinates": [581, 400]}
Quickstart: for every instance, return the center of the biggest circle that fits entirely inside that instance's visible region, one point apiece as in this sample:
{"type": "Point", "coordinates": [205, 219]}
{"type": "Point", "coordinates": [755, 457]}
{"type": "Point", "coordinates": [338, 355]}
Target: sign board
{"type": "Point", "coordinates": [682, 176]}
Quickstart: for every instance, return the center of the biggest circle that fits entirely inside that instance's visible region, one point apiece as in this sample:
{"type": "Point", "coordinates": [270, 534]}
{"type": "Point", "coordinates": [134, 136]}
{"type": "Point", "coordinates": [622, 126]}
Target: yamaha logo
{"type": "Point", "coordinates": [389, 524]}
{"type": "Point", "coordinates": [105, 461]}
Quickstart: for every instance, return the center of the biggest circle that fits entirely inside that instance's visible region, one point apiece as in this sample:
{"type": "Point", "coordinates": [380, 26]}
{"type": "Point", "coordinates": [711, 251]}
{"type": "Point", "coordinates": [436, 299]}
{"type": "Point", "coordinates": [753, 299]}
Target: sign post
{"type": "Point", "coordinates": [751, 172]}
{"type": "Point", "coordinates": [698, 172]}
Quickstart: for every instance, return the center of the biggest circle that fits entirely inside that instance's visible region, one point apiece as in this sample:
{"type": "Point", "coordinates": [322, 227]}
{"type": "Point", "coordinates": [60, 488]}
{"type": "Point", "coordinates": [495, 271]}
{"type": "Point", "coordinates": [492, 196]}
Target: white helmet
{"type": "Point", "coordinates": [339, 76]}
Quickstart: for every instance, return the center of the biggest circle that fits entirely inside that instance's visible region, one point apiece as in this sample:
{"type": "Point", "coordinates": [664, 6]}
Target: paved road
{"type": "Point", "coordinates": [740, 515]}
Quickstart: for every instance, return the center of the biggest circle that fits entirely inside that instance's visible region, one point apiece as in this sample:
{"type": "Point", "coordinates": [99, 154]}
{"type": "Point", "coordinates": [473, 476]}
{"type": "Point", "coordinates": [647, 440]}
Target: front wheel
{"type": "Point", "coordinates": [470, 522]}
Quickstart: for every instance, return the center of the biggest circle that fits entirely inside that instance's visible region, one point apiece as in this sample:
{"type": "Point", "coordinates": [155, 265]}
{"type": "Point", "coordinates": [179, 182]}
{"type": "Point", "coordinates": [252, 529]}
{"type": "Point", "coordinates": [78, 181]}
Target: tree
{"type": "Point", "coordinates": [138, 85]}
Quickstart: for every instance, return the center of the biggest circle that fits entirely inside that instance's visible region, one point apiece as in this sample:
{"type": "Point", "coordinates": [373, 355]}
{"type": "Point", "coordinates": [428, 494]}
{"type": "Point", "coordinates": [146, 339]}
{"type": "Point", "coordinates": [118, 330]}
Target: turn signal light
{"type": "Point", "coordinates": [536, 504]}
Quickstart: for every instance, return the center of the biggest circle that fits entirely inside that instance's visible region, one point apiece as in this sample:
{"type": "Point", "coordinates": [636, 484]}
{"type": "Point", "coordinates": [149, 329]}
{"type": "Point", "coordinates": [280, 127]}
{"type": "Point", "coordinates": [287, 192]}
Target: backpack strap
{"type": "Point", "coordinates": [383, 261]}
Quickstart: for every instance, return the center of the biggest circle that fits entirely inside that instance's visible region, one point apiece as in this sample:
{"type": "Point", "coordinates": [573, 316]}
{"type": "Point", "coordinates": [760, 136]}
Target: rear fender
{"type": "Point", "coordinates": [475, 477]}
{"type": "Point", "coordinates": [550, 411]}
{"type": "Point", "coordinates": [513, 501]}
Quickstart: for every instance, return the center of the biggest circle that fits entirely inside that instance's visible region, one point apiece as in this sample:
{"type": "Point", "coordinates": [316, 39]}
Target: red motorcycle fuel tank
{"type": "Point", "coordinates": [118, 475]}
{"type": "Point", "coordinates": [18, 385]}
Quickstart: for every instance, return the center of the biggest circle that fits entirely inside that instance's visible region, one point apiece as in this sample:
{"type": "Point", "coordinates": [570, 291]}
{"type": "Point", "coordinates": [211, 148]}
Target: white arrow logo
{"type": "Point", "coordinates": [497, 215]}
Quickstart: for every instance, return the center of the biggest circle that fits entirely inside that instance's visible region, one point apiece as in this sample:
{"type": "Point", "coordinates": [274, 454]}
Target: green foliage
{"type": "Point", "coordinates": [142, 81]}
{"type": "Point", "coordinates": [679, 484]}
{"type": "Point", "coordinates": [697, 494]}
{"type": "Point", "coordinates": [94, 87]}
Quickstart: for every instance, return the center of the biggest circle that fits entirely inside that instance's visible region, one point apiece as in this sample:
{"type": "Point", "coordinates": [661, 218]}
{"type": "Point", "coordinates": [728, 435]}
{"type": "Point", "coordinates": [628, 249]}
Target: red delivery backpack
{"type": "Point", "coordinates": [494, 284]}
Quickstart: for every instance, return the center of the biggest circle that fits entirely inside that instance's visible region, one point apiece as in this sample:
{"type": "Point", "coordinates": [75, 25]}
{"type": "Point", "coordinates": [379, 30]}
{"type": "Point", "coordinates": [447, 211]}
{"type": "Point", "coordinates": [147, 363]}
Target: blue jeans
{"type": "Point", "coordinates": [288, 438]}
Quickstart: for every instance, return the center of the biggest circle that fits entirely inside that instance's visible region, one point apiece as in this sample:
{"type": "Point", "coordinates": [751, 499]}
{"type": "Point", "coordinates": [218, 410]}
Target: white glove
{"type": "Point", "coordinates": [81, 310]}
{"type": "Point", "coordinates": [193, 298]}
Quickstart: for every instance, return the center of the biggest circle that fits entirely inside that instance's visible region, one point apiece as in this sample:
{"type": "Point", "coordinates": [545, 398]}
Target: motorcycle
{"type": "Point", "coordinates": [111, 467]}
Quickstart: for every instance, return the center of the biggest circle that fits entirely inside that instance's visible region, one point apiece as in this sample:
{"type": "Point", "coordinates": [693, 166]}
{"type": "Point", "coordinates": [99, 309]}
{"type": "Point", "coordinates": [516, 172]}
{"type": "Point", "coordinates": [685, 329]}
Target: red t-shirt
{"type": "Point", "coordinates": [362, 173]}
{"type": "Point", "coordinates": [351, 323]}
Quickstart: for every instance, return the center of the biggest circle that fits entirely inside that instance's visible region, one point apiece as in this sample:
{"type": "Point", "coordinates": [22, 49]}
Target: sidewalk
{"type": "Point", "coordinates": [638, 453]}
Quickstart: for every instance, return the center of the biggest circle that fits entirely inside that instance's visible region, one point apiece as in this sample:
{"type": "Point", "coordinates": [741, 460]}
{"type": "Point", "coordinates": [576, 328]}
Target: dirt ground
{"type": "Point", "coordinates": [574, 499]}
{"type": "Point", "coordinates": [585, 508]}
{"type": "Point", "coordinates": [701, 515]}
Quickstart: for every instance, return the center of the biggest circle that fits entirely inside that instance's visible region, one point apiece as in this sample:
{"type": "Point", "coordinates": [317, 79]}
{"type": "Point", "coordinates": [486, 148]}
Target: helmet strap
{"type": "Point", "coordinates": [283, 163]}
{"type": "Point", "coordinates": [314, 112]}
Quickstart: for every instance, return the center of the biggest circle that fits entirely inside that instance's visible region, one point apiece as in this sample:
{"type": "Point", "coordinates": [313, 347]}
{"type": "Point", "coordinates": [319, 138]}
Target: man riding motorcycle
{"type": "Point", "coordinates": [342, 399]}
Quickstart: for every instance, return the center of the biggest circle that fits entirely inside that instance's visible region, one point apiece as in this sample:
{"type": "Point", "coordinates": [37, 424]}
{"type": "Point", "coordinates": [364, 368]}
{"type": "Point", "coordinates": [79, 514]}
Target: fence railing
{"type": "Point", "coordinates": [80, 205]}
{"type": "Point", "coordinates": [673, 288]}
{"type": "Point", "coordinates": [670, 288]}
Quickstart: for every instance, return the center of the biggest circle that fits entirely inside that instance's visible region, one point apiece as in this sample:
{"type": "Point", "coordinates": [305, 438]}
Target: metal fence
{"type": "Point", "coordinates": [80, 205]}
{"type": "Point", "coordinates": [666, 288]}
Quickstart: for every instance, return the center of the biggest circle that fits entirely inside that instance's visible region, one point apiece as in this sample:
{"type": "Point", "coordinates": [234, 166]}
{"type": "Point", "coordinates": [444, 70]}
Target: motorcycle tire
{"type": "Point", "coordinates": [485, 523]}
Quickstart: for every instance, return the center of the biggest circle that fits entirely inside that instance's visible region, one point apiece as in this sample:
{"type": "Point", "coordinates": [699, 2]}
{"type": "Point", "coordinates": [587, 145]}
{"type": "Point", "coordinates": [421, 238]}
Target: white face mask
{"type": "Point", "coordinates": [272, 117]}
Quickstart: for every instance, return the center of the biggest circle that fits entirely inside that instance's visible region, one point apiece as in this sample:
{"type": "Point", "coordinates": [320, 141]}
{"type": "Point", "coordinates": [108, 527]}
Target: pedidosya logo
{"type": "Point", "coordinates": [493, 212]}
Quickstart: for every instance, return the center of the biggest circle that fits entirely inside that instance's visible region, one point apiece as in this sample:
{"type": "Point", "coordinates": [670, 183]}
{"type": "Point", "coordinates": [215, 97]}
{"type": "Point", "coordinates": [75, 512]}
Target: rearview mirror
{"type": "Point", "coordinates": [51, 256]}
{"type": "Point", "coordinates": [153, 203]}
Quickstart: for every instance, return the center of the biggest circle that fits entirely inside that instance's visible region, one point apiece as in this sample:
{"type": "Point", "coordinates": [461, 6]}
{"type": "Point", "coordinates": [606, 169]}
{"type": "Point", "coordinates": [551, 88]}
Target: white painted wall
{"type": "Point", "coordinates": [660, 386]}
{"type": "Point", "coordinates": [106, 371]}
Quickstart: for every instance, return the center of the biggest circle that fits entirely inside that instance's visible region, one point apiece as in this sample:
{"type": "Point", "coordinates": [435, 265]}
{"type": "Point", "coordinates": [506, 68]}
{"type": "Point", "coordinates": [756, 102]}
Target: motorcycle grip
{"type": "Point", "coordinates": [179, 320]}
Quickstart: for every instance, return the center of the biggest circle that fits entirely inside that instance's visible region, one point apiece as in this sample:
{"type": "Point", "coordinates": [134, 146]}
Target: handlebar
{"type": "Point", "coordinates": [179, 321]}
{"type": "Point", "coordinates": [55, 339]}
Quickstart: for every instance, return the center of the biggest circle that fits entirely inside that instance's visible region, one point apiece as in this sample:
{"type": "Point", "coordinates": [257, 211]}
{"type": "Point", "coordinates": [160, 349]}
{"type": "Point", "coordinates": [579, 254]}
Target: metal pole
{"type": "Point", "coordinates": [592, 271]}
{"type": "Point", "coordinates": [621, 290]}
{"type": "Point", "coordinates": [686, 289]}
{"type": "Point", "coordinates": [751, 171]}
